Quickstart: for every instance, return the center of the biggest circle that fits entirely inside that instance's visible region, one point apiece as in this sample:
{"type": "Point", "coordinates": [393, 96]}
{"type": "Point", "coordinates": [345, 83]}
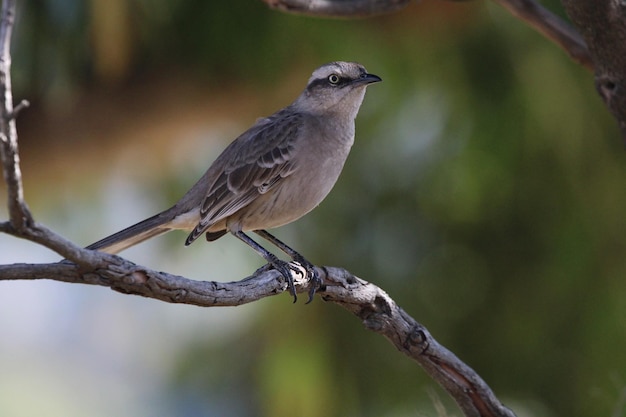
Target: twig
{"type": "Point", "coordinates": [18, 210]}
{"type": "Point", "coordinates": [18, 109]}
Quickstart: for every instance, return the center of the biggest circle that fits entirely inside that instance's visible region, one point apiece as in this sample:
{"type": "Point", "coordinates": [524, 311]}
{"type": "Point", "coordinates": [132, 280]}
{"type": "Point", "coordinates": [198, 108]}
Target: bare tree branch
{"type": "Point", "coordinates": [377, 311]}
{"type": "Point", "coordinates": [38, 233]}
{"type": "Point", "coordinates": [380, 314]}
{"type": "Point", "coordinates": [126, 277]}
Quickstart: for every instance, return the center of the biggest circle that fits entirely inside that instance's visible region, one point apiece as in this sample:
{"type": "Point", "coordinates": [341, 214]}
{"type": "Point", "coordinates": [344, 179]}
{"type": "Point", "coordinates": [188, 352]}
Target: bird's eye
{"type": "Point", "coordinates": [333, 79]}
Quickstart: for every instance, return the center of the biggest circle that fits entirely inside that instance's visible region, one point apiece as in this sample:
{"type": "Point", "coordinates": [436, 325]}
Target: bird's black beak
{"type": "Point", "coordinates": [367, 79]}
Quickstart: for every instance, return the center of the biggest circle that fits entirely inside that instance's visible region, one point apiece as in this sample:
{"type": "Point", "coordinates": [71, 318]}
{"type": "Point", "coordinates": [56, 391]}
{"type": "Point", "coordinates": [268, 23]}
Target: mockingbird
{"type": "Point", "coordinates": [274, 173]}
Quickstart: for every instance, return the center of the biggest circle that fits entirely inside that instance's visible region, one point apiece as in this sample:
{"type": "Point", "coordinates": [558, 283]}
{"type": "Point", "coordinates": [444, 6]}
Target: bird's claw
{"type": "Point", "coordinates": [302, 267]}
{"type": "Point", "coordinates": [285, 270]}
{"type": "Point", "coordinates": [312, 274]}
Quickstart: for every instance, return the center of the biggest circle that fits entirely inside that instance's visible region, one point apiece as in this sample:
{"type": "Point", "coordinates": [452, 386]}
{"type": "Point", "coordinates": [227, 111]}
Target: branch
{"type": "Point", "coordinates": [377, 311]}
{"type": "Point", "coordinates": [18, 210]}
{"type": "Point", "coordinates": [380, 314]}
{"type": "Point", "coordinates": [602, 24]}
{"type": "Point", "coordinates": [601, 48]}
{"type": "Point", "coordinates": [545, 22]}
{"type": "Point", "coordinates": [337, 8]}
{"type": "Point", "coordinates": [40, 234]}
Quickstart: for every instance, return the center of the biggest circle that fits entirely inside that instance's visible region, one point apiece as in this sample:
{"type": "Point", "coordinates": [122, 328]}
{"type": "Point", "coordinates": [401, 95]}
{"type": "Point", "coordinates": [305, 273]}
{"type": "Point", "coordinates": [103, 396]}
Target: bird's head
{"type": "Point", "coordinates": [337, 87]}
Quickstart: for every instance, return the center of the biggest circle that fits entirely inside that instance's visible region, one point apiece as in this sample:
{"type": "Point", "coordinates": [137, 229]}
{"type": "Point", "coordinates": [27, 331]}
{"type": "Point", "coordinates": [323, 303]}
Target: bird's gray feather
{"type": "Point", "coordinates": [133, 235]}
{"type": "Point", "coordinates": [262, 158]}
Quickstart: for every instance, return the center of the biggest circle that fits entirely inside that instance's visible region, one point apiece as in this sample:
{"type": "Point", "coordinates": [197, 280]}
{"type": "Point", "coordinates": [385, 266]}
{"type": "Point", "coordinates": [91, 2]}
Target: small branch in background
{"type": "Point", "coordinates": [544, 21]}
{"type": "Point", "coordinates": [552, 27]}
{"type": "Point", "coordinates": [338, 8]}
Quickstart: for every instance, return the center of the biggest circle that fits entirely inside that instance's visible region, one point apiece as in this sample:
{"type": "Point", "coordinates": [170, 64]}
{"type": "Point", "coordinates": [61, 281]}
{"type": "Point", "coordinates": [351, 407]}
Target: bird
{"type": "Point", "coordinates": [275, 172]}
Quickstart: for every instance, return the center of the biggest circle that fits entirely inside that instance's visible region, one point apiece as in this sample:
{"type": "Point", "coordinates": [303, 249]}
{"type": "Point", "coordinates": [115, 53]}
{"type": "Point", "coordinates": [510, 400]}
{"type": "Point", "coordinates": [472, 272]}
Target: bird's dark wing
{"type": "Point", "coordinates": [250, 166]}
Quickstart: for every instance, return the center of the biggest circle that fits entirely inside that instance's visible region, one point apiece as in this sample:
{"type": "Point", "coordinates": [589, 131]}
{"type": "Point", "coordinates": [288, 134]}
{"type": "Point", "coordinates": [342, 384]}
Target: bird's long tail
{"type": "Point", "coordinates": [137, 233]}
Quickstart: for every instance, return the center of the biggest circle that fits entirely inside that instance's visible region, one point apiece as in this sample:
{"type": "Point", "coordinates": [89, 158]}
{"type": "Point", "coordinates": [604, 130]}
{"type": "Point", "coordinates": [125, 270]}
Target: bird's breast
{"type": "Point", "coordinates": [316, 170]}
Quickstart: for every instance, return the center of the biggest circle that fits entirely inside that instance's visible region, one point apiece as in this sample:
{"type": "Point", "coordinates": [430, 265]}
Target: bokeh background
{"type": "Point", "coordinates": [485, 193]}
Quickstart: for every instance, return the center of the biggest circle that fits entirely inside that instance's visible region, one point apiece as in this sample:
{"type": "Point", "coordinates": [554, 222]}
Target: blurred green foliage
{"type": "Point", "coordinates": [485, 193]}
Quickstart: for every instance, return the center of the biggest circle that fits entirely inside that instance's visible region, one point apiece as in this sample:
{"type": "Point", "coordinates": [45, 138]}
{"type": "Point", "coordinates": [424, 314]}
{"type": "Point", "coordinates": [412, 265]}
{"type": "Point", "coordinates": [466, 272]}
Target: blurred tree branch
{"type": "Point", "coordinates": [372, 305]}
{"type": "Point", "coordinates": [602, 24]}
{"type": "Point", "coordinates": [541, 19]}
{"type": "Point", "coordinates": [338, 8]}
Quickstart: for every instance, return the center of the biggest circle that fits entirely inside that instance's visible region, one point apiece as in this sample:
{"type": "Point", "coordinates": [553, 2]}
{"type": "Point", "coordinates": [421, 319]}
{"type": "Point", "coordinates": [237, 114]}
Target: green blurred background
{"type": "Point", "coordinates": [485, 193]}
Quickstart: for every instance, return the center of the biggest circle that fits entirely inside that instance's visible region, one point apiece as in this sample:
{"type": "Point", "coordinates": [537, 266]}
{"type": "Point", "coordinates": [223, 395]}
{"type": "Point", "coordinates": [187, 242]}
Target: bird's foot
{"type": "Point", "coordinates": [302, 267]}
{"type": "Point", "coordinates": [311, 274]}
{"type": "Point", "coordinates": [285, 269]}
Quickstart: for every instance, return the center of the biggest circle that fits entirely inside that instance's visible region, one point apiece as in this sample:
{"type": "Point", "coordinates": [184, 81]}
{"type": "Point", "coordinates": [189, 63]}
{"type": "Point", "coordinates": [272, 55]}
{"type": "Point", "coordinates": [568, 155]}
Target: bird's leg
{"type": "Point", "coordinates": [308, 266]}
{"type": "Point", "coordinates": [281, 266]}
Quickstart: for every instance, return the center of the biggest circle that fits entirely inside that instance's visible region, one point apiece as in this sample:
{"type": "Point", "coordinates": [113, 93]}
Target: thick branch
{"type": "Point", "coordinates": [377, 311]}
{"type": "Point", "coordinates": [128, 278]}
{"type": "Point", "coordinates": [602, 23]}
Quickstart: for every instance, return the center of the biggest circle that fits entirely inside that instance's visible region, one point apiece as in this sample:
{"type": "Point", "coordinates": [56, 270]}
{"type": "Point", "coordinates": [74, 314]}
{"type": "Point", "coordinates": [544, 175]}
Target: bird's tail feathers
{"type": "Point", "coordinates": [133, 235]}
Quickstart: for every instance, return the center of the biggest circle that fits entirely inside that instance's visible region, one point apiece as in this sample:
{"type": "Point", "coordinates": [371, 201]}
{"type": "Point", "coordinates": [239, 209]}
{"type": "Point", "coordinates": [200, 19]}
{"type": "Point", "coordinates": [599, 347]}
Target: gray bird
{"type": "Point", "coordinates": [274, 173]}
